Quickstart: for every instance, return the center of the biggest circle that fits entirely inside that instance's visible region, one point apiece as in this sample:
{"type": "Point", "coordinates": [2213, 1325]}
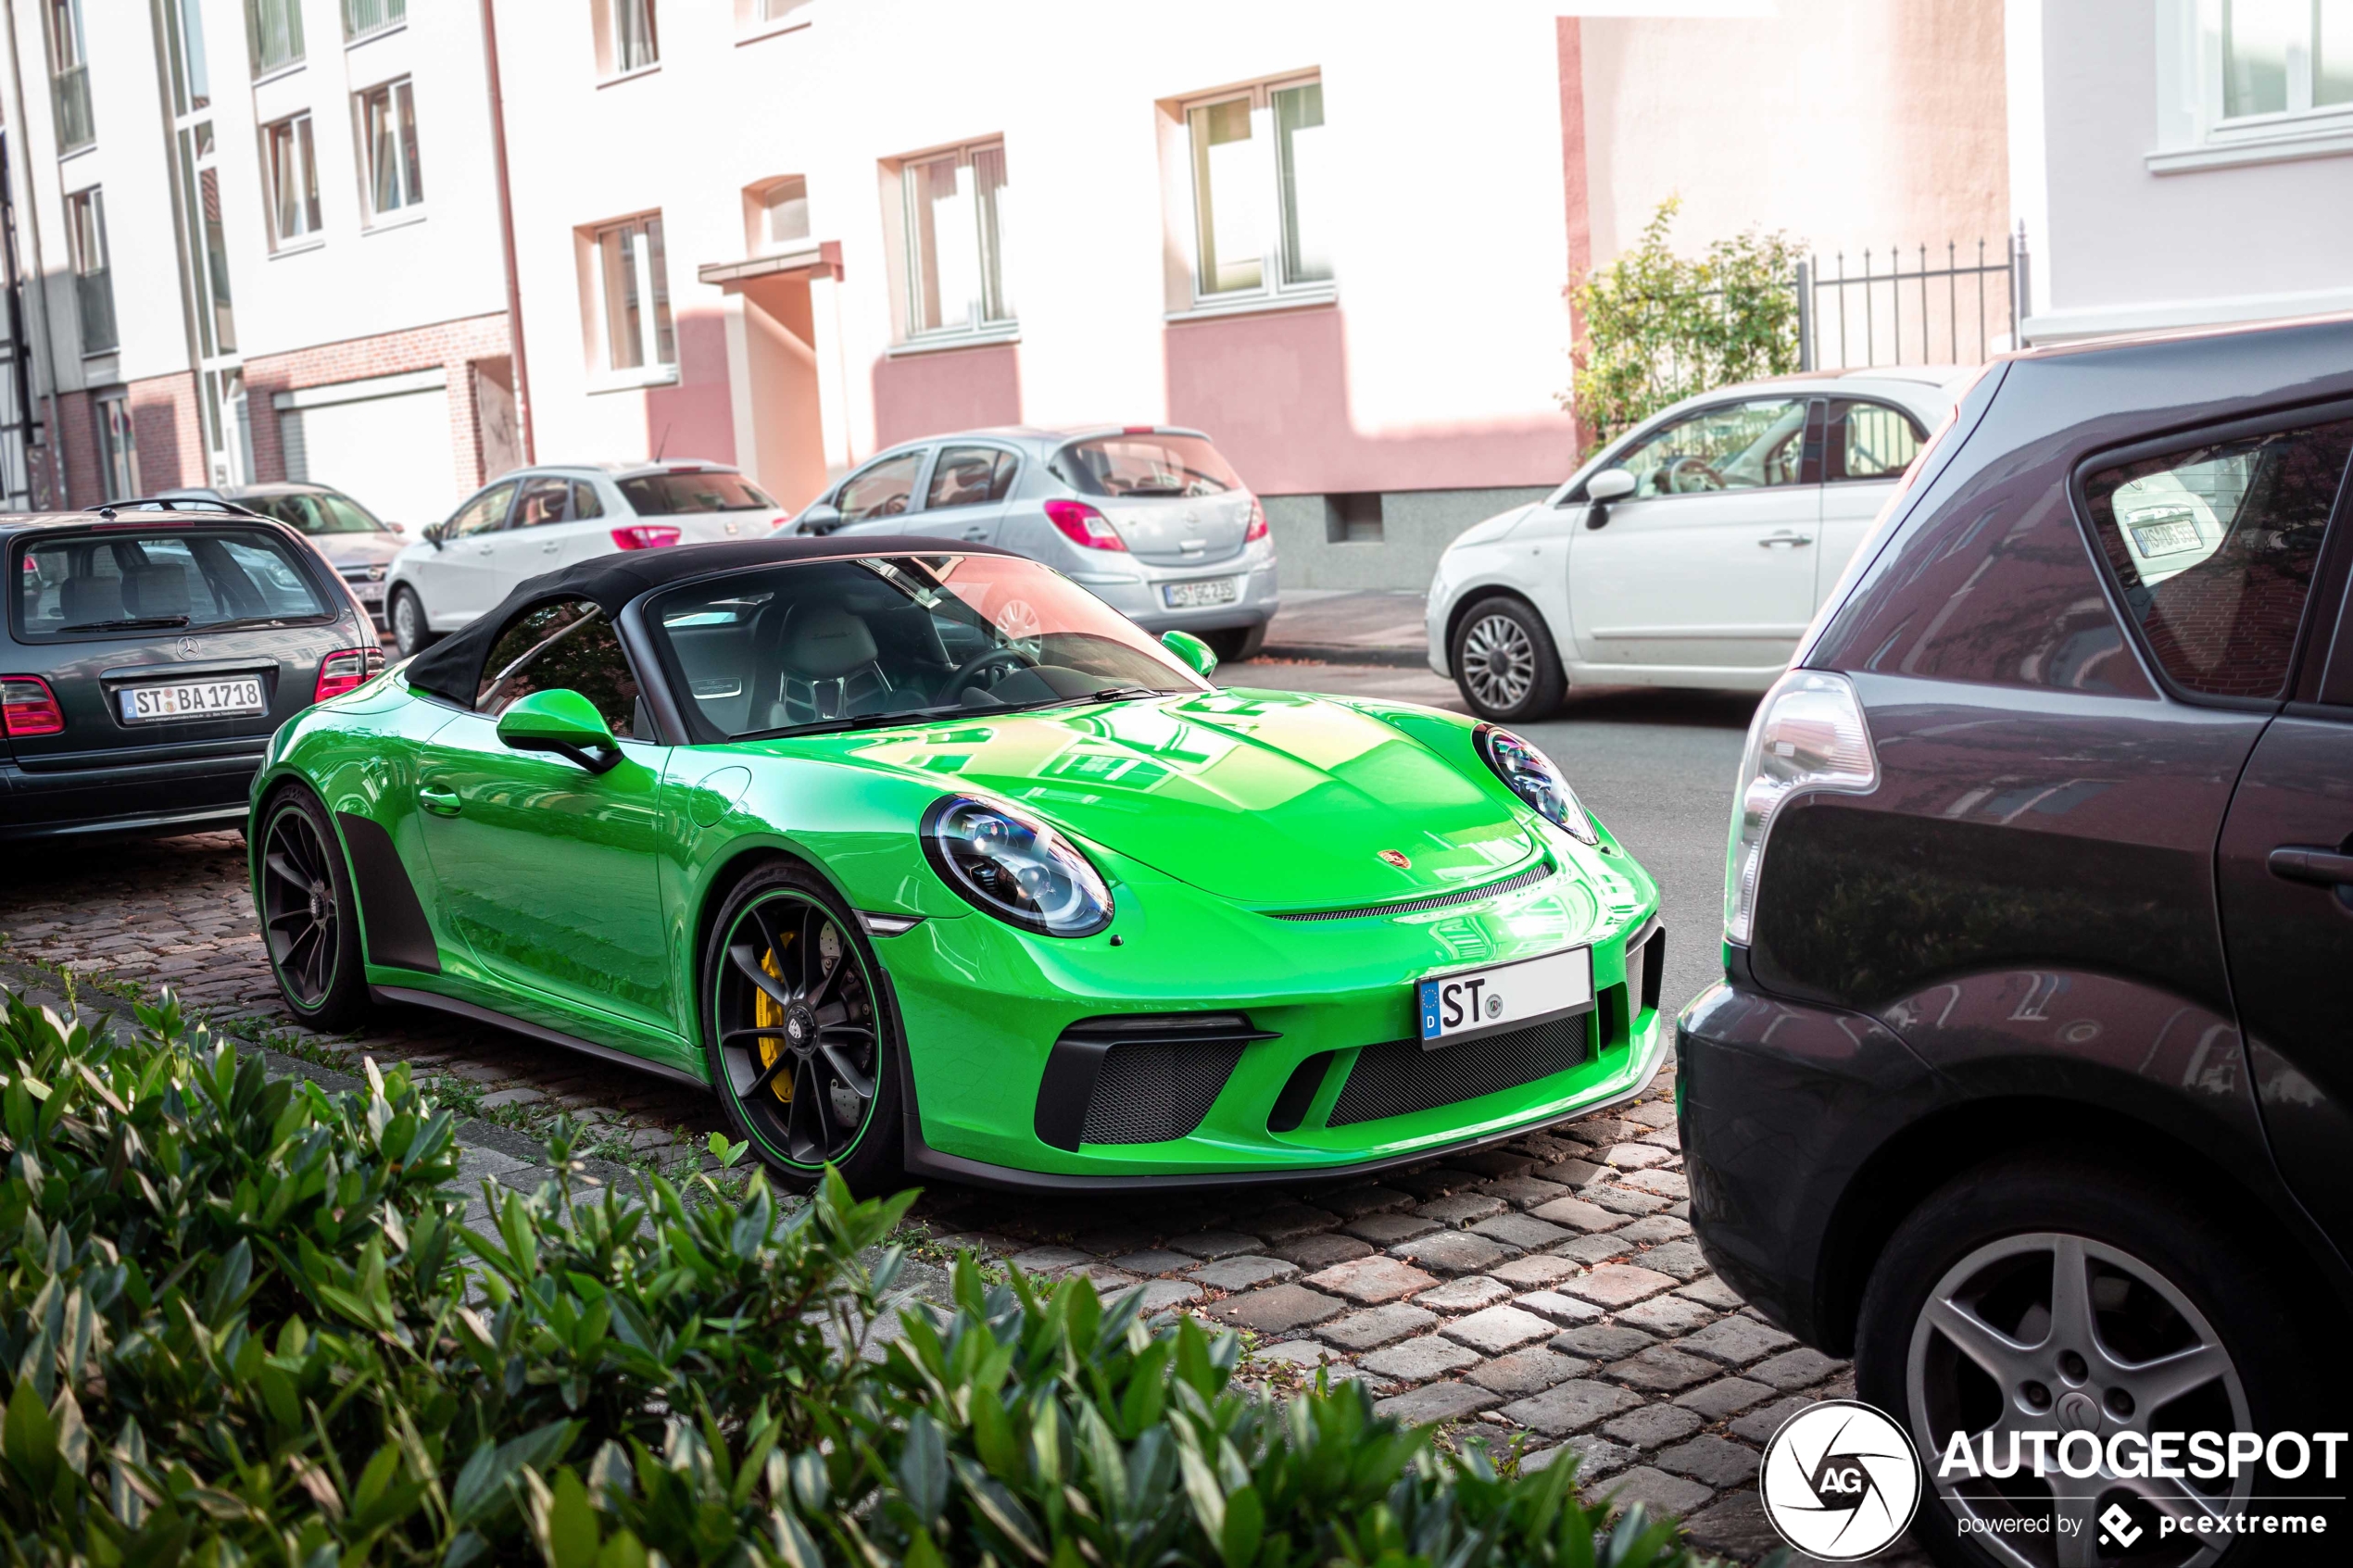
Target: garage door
{"type": "Point", "coordinates": [385, 441]}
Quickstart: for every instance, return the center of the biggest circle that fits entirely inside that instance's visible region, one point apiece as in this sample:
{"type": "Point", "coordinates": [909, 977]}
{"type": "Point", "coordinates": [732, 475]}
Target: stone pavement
{"type": "Point", "coordinates": [1350, 626]}
{"type": "Point", "coordinates": [1546, 1291]}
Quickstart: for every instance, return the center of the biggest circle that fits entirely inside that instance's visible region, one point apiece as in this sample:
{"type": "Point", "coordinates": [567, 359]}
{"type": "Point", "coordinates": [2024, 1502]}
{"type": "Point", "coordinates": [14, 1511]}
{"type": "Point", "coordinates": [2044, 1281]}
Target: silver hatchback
{"type": "Point", "coordinates": [1148, 517]}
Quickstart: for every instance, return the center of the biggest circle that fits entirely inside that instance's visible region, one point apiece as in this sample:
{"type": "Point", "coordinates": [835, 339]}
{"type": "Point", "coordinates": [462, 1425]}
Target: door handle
{"type": "Point", "coordinates": [2305, 862]}
{"type": "Point", "coordinates": [440, 799]}
{"type": "Point", "coordinates": [1785, 537]}
{"type": "Point", "coordinates": [551, 546]}
{"type": "Point", "coordinates": [976, 534]}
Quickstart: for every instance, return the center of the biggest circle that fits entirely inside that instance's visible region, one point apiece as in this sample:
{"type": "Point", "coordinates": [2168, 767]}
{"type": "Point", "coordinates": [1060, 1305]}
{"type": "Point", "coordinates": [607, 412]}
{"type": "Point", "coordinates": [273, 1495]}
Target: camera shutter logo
{"type": "Point", "coordinates": [1841, 1480]}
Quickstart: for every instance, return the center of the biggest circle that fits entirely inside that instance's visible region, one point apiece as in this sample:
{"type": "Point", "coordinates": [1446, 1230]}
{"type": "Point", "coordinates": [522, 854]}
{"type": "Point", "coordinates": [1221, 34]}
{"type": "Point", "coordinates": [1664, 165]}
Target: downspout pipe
{"type": "Point", "coordinates": [507, 232]}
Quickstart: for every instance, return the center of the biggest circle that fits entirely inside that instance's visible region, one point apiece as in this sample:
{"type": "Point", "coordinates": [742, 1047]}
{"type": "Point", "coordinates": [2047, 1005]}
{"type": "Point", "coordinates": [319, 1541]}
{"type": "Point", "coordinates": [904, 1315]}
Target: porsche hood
{"type": "Point", "coordinates": [1270, 798]}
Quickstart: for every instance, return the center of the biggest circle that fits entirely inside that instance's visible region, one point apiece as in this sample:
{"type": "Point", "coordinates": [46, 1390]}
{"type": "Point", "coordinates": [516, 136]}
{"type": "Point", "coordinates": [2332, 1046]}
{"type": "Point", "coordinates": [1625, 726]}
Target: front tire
{"type": "Point", "coordinates": [1504, 663]}
{"type": "Point", "coordinates": [411, 633]}
{"type": "Point", "coordinates": [2055, 1293]}
{"type": "Point", "coordinates": [799, 1032]}
{"type": "Point", "coordinates": [310, 921]}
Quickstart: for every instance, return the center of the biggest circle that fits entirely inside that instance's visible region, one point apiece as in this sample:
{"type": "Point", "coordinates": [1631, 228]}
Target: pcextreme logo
{"type": "Point", "coordinates": [1841, 1480]}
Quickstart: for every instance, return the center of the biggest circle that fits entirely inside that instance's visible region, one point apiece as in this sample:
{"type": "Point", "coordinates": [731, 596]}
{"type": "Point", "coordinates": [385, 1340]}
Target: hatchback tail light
{"type": "Point", "coordinates": [1809, 736]}
{"type": "Point", "coordinates": [644, 536]}
{"type": "Point", "coordinates": [347, 670]}
{"type": "Point", "coordinates": [1257, 523]}
{"type": "Point", "coordinates": [1082, 524]}
{"type": "Point", "coordinates": [28, 706]}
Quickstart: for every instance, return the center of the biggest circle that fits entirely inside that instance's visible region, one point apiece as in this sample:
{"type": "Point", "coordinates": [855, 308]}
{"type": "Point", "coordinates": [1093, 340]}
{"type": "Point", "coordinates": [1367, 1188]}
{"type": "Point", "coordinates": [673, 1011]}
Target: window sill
{"type": "Point", "coordinates": [774, 30]}
{"type": "Point", "coordinates": [941, 342]}
{"type": "Point", "coordinates": [637, 75]}
{"type": "Point", "coordinates": [278, 72]}
{"type": "Point", "coordinates": [385, 31]}
{"type": "Point", "coordinates": [1257, 304]}
{"type": "Point", "coordinates": [632, 381]}
{"type": "Point", "coordinates": [2278, 142]}
{"type": "Point", "coordinates": [67, 154]}
{"type": "Point", "coordinates": [301, 246]}
{"type": "Point", "coordinates": [399, 217]}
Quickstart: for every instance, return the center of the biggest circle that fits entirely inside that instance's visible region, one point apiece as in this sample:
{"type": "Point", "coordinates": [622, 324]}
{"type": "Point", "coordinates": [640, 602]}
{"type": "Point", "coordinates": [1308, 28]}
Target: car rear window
{"type": "Point", "coordinates": [85, 584]}
{"type": "Point", "coordinates": [1144, 465]}
{"type": "Point", "coordinates": [668, 495]}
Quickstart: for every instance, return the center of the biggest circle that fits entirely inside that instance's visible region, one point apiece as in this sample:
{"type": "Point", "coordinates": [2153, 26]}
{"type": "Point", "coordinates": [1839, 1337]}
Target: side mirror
{"type": "Point", "coordinates": [818, 517]}
{"type": "Point", "coordinates": [1610, 485]}
{"type": "Point", "coordinates": [435, 533]}
{"type": "Point", "coordinates": [564, 722]}
{"type": "Point", "coordinates": [1192, 650]}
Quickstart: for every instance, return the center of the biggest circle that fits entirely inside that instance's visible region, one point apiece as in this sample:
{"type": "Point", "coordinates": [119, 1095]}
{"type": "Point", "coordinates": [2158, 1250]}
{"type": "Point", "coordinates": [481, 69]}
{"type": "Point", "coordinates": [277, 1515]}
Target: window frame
{"type": "Point", "coordinates": [263, 66]}
{"type": "Point", "coordinates": [2317, 618]}
{"type": "Point", "coordinates": [394, 16]}
{"type": "Point", "coordinates": [90, 281]}
{"type": "Point", "coordinates": [1273, 291]}
{"type": "Point", "coordinates": [919, 456]}
{"type": "Point", "coordinates": [1809, 464]}
{"type": "Point", "coordinates": [939, 456]}
{"type": "Point", "coordinates": [2193, 130]}
{"type": "Point", "coordinates": [652, 279]}
{"type": "Point", "coordinates": [110, 415]}
{"type": "Point", "coordinates": [1833, 433]}
{"type": "Point", "coordinates": [595, 613]}
{"type": "Point", "coordinates": [67, 34]}
{"type": "Point", "coordinates": [398, 92]}
{"type": "Point", "coordinates": [607, 23]}
{"type": "Point", "coordinates": [302, 138]}
{"type": "Point", "coordinates": [978, 326]}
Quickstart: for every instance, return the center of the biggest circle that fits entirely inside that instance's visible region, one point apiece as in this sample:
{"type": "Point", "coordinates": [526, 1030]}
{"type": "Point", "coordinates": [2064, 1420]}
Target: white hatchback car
{"type": "Point", "coordinates": [1689, 552]}
{"type": "Point", "coordinates": [538, 518]}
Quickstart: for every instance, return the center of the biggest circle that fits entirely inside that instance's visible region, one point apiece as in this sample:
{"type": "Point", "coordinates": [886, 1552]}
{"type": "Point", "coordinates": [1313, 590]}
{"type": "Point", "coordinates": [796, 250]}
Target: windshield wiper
{"type": "Point", "coordinates": [134, 624]}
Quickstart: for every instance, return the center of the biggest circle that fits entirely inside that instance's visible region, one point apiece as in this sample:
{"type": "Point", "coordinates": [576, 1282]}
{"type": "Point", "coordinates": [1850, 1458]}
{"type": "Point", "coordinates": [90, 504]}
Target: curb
{"type": "Point", "coordinates": [1346, 653]}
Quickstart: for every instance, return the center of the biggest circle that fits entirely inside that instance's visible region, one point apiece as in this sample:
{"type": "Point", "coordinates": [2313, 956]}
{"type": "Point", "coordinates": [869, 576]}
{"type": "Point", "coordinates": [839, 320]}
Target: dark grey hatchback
{"type": "Point", "coordinates": [2029, 1082]}
{"type": "Point", "coordinates": [152, 649]}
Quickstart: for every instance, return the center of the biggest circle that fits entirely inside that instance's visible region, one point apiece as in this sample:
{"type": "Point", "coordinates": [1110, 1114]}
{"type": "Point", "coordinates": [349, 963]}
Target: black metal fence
{"type": "Point", "coordinates": [1905, 311]}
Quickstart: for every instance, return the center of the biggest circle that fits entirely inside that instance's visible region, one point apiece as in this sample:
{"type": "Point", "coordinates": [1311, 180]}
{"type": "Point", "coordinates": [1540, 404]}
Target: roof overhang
{"type": "Point", "coordinates": [818, 259]}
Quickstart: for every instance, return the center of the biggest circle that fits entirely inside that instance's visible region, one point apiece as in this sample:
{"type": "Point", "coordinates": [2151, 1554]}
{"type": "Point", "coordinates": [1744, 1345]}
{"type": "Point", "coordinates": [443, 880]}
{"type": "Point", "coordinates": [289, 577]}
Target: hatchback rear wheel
{"type": "Point", "coordinates": [1504, 662]}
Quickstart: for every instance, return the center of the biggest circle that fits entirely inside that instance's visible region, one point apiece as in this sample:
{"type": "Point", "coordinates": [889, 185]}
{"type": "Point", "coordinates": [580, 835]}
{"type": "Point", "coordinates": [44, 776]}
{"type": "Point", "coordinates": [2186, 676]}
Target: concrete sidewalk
{"type": "Point", "coordinates": [1349, 626]}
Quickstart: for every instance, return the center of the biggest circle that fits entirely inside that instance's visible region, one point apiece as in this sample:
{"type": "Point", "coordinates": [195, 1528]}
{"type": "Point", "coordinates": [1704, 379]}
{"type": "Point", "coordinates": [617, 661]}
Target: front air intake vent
{"type": "Point", "coordinates": [1146, 1078]}
{"type": "Point", "coordinates": [1399, 1077]}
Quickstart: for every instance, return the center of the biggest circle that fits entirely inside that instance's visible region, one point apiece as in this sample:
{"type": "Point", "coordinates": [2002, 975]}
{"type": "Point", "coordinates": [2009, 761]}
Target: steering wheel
{"type": "Point", "coordinates": [968, 672]}
{"type": "Point", "coordinates": [1691, 464]}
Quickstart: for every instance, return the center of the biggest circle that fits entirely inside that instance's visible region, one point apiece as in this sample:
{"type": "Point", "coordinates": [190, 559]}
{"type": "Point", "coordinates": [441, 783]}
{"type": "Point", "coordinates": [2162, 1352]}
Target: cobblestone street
{"type": "Point", "coordinates": [1548, 1289]}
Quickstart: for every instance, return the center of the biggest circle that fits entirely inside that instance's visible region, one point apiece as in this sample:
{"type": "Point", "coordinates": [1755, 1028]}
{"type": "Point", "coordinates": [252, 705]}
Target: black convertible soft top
{"type": "Point", "coordinates": [452, 668]}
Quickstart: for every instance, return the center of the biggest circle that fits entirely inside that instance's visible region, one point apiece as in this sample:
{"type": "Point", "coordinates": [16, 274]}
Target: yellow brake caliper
{"type": "Point", "coordinates": [769, 1013]}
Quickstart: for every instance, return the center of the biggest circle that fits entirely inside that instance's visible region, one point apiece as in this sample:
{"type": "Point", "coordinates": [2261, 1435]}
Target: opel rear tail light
{"type": "Point", "coordinates": [28, 706]}
{"type": "Point", "coordinates": [1082, 524]}
{"type": "Point", "coordinates": [644, 536]}
{"type": "Point", "coordinates": [347, 670]}
{"type": "Point", "coordinates": [1257, 523]}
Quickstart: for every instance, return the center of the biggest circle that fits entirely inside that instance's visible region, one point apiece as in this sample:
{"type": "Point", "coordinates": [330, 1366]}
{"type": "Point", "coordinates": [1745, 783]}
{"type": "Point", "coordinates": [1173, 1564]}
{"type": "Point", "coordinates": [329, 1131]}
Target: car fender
{"type": "Point", "coordinates": [1527, 566]}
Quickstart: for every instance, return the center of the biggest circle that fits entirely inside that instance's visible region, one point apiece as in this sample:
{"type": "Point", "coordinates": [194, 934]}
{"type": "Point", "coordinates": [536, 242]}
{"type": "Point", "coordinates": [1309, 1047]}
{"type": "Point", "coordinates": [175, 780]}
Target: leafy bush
{"type": "Point", "coordinates": [246, 1323]}
{"type": "Point", "coordinates": [1658, 328]}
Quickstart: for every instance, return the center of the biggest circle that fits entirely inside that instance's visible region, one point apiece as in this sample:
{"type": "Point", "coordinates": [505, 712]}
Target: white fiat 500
{"type": "Point", "coordinates": [1690, 551]}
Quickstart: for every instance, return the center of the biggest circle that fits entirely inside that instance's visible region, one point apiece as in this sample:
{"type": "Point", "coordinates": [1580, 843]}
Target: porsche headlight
{"type": "Point", "coordinates": [1533, 778]}
{"type": "Point", "coordinates": [1015, 868]}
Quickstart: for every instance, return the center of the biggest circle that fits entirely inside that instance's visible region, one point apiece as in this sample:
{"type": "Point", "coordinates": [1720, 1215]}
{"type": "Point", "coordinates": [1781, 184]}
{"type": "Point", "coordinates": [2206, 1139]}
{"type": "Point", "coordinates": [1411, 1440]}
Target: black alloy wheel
{"type": "Point", "coordinates": [801, 1044]}
{"type": "Point", "coordinates": [309, 922]}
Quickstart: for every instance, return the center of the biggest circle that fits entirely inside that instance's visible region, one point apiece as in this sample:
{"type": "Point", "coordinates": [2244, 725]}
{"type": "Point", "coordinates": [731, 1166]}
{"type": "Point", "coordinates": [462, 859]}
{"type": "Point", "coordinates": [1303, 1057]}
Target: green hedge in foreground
{"type": "Point", "coordinates": [242, 1322]}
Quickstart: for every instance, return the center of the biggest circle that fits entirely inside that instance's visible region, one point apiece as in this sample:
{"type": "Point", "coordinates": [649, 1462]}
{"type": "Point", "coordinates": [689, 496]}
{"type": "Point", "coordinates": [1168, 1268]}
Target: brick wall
{"type": "Point", "coordinates": [455, 346]}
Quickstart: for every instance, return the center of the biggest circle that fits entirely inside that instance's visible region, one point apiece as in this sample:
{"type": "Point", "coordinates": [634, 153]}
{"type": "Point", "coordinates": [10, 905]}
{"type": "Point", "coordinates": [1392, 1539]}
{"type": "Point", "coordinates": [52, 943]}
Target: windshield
{"type": "Point", "coordinates": [842, 644]}
{"type": "Point", "coordinates": [317, 514]}
{"type": "Point", "coordinates": [1144, 465]}
{"type": "Point", "coordinates": [160, 581]}
{"type": "Point", "coordinates": [668, 495]}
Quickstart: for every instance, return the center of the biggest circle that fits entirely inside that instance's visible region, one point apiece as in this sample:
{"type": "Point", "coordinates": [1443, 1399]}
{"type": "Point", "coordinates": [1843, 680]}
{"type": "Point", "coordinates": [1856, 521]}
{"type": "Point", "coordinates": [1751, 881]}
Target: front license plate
{"type": "Point", "coordinates": [2165, 538]}
{"type": "Point", "coordinates": [191, 699]}
{"type": "Point", "coordinates": [1480, 1001]}
{"type": "Point", "coordinates": [1195, 595]}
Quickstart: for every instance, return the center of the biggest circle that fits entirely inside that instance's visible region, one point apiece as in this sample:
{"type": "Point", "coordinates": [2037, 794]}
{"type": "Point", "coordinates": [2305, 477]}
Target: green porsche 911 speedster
{"type": "Point", "coordinates": [927, 861]}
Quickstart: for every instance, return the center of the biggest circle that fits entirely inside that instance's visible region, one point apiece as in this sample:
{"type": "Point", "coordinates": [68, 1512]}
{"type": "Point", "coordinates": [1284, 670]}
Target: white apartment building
{"type": "Point", "coordinates": [2181, 163]}
{"type": "Point", "coordinates": [262, 240]}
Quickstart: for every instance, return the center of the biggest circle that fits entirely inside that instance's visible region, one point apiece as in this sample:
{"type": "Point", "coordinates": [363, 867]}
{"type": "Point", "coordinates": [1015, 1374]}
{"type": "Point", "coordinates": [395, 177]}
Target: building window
{"type": "Point", "coordinates": [1260, 188]}
{"type": "Point", "coordinates": [92, 282]}
{"type": "Point", "coordinates": [625, 37]}
{"type": "Point", "coordinates": [783, 213]}
{"type": "Point", "coordinates": [191, 77]}
{"type": "Point", "coordinates": [273, 33]}
{"type": "Point", "coordinates": [635, 290]}
{"type": "Point", "coordinates": [2287, 56]}
{"type": "Point", "coordinates": [292, 174]}
{"type": "Point", "coordinates": [118, 451]}
{"type": "Point", "coordinates": [388, 134]}
{"type": "Point", "coordinates": [69, 76]}
{"type": "Point", "coordinates": [774, 10]}
{"type": "Point", "coordinates": [364, 18]}
{"type": "Point", "coordinates": [954, 253]}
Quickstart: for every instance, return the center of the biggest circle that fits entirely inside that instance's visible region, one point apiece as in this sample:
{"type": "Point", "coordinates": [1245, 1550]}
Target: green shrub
{"type": "Point", "coordinates": [1658, 328]}
{"type": "Point", "coordinates": [246, 1323]}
